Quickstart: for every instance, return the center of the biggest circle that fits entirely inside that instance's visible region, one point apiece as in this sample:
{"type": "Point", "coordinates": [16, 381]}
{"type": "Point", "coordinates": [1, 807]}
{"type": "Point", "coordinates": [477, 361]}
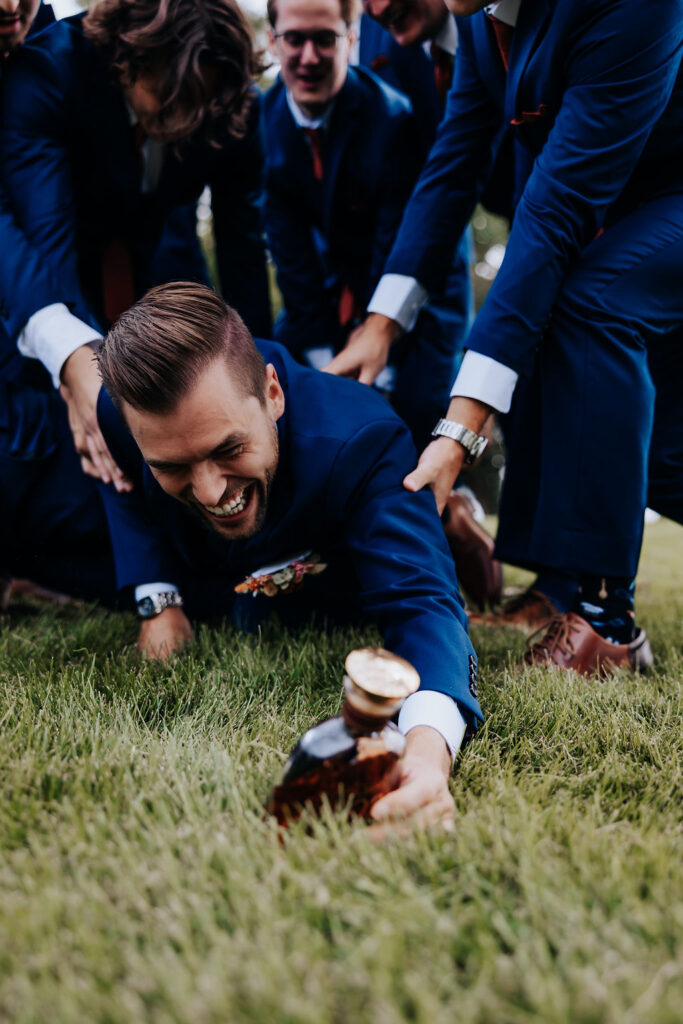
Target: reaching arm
{"type": "Point", "coordinates": [408, 587]}
{"type": "Point", "coordinates": [37, 175]}
{"type": "Point", "coordinates": [619, 76]}
{"type": "Point", "coordinates": [435, 217]}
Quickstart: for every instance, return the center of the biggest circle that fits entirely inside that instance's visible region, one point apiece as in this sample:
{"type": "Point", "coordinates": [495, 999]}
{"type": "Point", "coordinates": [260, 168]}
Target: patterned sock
{"type": "Point", "coordinates": [560, 587]}
{"type": "Point", "coordinates": [606, 603]}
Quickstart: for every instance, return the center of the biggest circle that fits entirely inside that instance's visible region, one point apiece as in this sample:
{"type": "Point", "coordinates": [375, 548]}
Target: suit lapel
{"type": "Point", "coordinates": [532, 20]}
{"type": "Point", "coordinates": [531, 23]}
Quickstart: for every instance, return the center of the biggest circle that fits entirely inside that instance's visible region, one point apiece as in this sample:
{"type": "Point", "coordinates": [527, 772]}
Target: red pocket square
{"type": "Point", "coordinates": [530, 115]}
{"type": "Point", "coordinates": [379, 62]}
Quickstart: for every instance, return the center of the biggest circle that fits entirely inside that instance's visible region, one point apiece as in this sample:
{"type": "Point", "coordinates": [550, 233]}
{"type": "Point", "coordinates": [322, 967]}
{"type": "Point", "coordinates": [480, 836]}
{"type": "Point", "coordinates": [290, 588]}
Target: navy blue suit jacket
{"type": "Point", "coordinates": [70, 166]}
{"type": "Point", "coordinates": [25, 283]}
{"type": "Point", "coordinates": [339, 232]}
{"type": "Point", "coordinates": [409, 69]}
{"type": "Point", "coordinates": [337, 491]}
{"type": "Point", "coordinates": [592, 92]}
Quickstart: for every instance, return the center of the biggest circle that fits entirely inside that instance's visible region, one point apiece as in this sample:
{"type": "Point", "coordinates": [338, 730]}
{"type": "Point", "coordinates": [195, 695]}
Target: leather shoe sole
{"type": "Point", "coordinates": [528, 612]}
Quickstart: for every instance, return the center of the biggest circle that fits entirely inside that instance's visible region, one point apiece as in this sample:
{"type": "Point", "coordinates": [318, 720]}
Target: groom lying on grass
{"type": "Point", "coordinates": [241, 460]}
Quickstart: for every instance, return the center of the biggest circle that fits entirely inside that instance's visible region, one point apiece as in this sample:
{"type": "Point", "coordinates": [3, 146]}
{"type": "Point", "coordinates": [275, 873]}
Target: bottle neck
{"type": "Point", "coordinates": [360, 723]}
{"type": "Point", "coordinates": [364, 712]}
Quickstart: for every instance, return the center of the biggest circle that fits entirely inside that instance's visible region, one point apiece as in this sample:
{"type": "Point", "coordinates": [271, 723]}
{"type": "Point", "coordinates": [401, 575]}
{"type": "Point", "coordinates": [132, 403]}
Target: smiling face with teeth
{"type": "Point", "coordinates": [16, 18]}
{"type": "Point", "coordinates": [217, 450]}
{"type": "Point", "coordinates": [408, 21]}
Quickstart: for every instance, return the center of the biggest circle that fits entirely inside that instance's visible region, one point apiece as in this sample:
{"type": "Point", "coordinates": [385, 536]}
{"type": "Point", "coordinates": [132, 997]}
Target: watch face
{"type": "Point", "coordinates": [146, 608]}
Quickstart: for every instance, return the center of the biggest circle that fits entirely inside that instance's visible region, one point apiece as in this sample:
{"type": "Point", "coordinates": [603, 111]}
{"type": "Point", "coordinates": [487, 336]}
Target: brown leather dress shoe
{"type": "Point", "coordinates": [26, 588]}
{"type": "Point", "coordinates": [571, 643]}
{"type": "Point", "coordinates": [528, 612]}
{"type": "Point", "coordinates": [478, 572]}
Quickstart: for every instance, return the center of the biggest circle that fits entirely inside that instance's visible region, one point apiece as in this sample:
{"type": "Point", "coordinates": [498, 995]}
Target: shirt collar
{"type": "Point", "coordinates": [446, 38]}
{"type": "Point", "coordinates": [302, 120]}
{"type": "Point", "coordinates": [505, 10]}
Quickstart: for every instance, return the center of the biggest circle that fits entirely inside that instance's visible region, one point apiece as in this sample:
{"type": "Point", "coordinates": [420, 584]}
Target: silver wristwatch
{"type": "Point", "coordinates": [473, 444]}
{"type": "Point", "coordinates": [154, 604]}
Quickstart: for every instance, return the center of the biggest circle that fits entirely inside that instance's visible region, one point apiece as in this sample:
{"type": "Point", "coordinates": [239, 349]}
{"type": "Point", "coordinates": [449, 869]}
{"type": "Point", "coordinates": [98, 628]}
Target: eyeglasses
{"type": "Point", "coordinates": [324, 40]}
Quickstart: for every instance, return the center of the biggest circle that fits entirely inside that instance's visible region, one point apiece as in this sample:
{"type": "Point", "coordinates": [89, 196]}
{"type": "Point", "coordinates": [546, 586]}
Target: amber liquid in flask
{"type": "Point", "coordinates": [352, 759]}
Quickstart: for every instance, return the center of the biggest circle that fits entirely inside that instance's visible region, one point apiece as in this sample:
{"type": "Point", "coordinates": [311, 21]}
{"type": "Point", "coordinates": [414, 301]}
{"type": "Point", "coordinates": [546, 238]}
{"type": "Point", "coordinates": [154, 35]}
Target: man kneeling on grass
{"type": "Point", "coordinates": [275, 465]}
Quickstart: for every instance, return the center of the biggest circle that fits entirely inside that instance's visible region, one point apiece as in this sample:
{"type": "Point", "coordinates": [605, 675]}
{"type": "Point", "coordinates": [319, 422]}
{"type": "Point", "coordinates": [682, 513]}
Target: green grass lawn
{"type": "Point", "coordinates": [139, 881]}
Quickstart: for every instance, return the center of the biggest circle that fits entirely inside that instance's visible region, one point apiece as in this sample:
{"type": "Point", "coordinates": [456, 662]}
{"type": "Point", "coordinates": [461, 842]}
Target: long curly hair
{"type": "Point", "coordinates": [197, 56]}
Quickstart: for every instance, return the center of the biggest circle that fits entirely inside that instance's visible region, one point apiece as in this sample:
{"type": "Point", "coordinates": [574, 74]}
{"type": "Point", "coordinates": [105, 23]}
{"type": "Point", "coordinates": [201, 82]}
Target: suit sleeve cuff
{"type": "Point", "coordinates": [399, 297]}
{"type": "Point", "coordinates": [486, 380]}
{"type": "Point", "coordinates": [51, 335]}
{"type": "Point", "coordinates": [152, 589]}
{"type": "Point", "coordinates": [437, 710]}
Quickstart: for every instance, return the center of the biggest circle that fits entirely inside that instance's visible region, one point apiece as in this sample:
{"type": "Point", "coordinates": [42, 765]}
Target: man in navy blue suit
{"type": "Point", "coordinates": [343, 154]}
{"type": "Point", "coordinates": [590, 282]}
{"type": "Point", "coordinates": [61, 545]}
{"type": "Point", "coordinates": [114, 122]}
{"type": "Point", "coordinates": [251, 459]}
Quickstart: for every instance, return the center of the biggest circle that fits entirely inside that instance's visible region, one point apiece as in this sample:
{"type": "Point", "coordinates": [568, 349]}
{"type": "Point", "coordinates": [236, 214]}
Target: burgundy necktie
{"type": "Point", "coordinates": [315, 137]}
{"type": "Point", "coordinates": [348, 309]}
{"type": "Point", "coordinates": [503, 38]}
{"type": "Point", "coordinates": [443, 70]}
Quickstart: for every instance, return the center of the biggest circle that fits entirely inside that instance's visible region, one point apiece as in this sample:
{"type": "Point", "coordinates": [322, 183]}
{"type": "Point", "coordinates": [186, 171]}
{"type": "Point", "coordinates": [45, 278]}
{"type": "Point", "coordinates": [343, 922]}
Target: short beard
{"type": "Point", "coordinates": [262, 491]}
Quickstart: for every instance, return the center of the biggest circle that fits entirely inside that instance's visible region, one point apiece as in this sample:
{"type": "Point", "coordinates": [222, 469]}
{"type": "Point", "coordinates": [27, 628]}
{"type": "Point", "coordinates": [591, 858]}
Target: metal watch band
{"type": "Point", "coordinates": [154, 604]}
{"type": "Point", "coordinates": [474, 444]}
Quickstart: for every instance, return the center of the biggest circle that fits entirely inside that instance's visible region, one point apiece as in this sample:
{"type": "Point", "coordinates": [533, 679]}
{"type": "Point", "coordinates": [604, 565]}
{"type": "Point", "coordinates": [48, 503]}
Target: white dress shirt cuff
{"type": "Point", "coordinates": [51, 335]}
{"type": "Point", "coordinates": [399, 297]}
{"type": "Point", "coordinates": [486, 380]}
{"type": "Point", "coordinates": [437, 710]}
{"type": "Point", "coordinates": [151, 589]}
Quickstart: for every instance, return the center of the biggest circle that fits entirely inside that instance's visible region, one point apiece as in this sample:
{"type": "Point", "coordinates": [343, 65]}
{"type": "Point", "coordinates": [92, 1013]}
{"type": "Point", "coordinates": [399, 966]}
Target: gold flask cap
{"type": "Point", "coordinates": [377, 681]}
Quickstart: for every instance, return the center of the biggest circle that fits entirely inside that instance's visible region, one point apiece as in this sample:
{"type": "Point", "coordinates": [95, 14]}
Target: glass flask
{"type": "Point", "coordinates": [353, 759]}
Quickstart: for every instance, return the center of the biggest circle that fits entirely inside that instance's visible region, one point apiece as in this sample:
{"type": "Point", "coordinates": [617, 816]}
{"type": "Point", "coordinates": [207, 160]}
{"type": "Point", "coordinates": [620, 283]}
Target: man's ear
{"type": "Point", "coordinates": [271, 39]}
{"type": "Point", "coordinates": [275, 396]}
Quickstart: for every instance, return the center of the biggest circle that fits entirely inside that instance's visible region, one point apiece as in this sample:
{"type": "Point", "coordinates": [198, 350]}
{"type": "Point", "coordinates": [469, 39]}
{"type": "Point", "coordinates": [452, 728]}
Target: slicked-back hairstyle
{"type": "Point", "coordinates": [349, 10]}
{"type": "Point", "coordinates": [199, 54]}
{"type": "Point", "coordinates": [158, 349]}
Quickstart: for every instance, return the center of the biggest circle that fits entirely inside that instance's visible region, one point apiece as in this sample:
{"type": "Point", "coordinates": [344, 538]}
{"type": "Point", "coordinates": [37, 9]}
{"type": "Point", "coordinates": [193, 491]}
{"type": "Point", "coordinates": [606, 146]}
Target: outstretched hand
{"type": "Point", "coordinates": [367, 350]}
{"type": "Point", "coordinates": [441, 462]}
{"type": "Point", "coordinates": [164, 635]}
{"type": "Point", "coordinates": [423, 799]}
{"type": "Point", "coordinates": [80, 387]}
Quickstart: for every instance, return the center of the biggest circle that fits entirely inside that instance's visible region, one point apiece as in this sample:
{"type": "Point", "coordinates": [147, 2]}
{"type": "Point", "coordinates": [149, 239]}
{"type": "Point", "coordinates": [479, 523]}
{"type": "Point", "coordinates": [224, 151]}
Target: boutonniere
{"type": "Point", "coordinates": [283, 578]}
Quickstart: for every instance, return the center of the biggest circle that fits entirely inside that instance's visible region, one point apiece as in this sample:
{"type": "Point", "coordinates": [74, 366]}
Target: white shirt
{"type": "Point", "coordinates": [401, 298]}
{"type": "Point", "coordinates": [446, 38]}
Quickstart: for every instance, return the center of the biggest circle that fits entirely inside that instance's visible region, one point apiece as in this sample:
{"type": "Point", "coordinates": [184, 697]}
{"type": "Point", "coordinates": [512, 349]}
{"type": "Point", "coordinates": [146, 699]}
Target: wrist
{"type": "Point", "coordinates": [384, 327]}
{"type": "Point", "coordinates": [428, 744]}
{"type": "Point", "coordinates": [79, 360]}
{"type": "Point", "coordinates": [154, 605]}
{"type": "Point", "coordinates": [472, 413]}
